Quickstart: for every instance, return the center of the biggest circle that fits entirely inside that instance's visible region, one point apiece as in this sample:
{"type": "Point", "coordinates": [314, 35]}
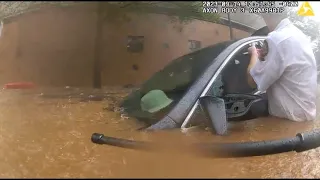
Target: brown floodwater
{"type": "Point", "coordinates": [50, 138]}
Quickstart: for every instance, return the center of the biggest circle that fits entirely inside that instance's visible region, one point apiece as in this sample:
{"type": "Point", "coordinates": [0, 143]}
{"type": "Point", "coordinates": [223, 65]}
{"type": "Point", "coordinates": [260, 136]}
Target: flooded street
{"type": "Point", "coordinates": [50, 138]}
{"type": "Point", "coordinates": [175, 52]}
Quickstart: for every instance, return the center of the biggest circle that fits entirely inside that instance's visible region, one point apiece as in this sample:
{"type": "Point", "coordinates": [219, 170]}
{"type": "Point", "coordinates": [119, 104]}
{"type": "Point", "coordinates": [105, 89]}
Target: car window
{"type": "Point", "coordinates": [182, 72]}
{"type": "Point", "coordinates": [232, 79]}
{"type": "Point", "coordinates": [174, 80]}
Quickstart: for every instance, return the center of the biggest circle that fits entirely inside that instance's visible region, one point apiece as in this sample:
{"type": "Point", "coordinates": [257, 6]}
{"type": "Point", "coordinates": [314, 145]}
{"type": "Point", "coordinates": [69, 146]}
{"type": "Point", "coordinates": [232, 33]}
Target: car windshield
{"type": "Point", "coordinates": [174, 79]}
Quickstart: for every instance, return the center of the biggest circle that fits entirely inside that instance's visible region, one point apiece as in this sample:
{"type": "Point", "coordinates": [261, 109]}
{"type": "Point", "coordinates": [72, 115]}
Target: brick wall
{"type": "Point", "coordinates": [55, 47]}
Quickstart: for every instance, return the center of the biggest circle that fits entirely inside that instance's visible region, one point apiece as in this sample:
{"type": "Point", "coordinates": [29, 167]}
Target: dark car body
{"type": "Point", "coordinates": [218, 70]}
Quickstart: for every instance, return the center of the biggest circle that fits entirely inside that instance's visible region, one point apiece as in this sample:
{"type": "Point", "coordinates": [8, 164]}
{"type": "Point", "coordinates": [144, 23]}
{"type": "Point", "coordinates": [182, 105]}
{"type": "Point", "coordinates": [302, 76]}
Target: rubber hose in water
{"type": "Point", "coordinates": [301, 142]}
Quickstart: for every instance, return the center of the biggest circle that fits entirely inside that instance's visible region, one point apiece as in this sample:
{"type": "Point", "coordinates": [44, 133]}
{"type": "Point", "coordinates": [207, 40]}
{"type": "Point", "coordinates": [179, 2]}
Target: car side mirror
{"type": "Point", "coordinates": [214, 109]}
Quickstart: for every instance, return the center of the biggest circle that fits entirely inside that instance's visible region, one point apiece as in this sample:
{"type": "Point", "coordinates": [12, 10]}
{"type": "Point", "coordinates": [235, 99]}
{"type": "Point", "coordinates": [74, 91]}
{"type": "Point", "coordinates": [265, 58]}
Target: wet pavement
{"type": "Point", "coordinates": [50, 138]}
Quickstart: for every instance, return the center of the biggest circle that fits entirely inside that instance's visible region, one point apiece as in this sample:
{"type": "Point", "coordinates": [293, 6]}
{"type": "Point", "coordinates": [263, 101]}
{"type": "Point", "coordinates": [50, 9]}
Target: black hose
{"type": "Point", "coordinates": [247, 149]}
{"type": "Point", "coordinates": [301, 142]}
{"type": "Point", "coordinates": [124, 143]}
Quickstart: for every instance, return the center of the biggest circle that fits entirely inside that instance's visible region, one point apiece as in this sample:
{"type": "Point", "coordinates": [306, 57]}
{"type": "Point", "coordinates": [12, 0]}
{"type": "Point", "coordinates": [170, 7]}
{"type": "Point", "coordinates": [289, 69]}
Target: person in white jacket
{"type": "Point", "coordinates": [288, 72]}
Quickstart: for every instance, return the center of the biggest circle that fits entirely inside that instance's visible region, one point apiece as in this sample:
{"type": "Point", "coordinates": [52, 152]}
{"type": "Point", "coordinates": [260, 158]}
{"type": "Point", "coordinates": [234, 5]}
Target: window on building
{"type": "Point", "coordinates": [135, 44]}
{"type": "Point", "coordinates": [165, 45]}
{"type": "Point", "coordinates": [194, 45]}
{"type": "Point", "coordinates": [1, 27]}
{"type": "Point", "coordinates": [135, 67]}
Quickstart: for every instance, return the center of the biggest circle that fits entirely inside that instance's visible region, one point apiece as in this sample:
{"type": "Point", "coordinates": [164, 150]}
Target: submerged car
{"type": "Point", "coordinates": [219, 70]}
{"type": "Point", "coordinates": [182, 92]}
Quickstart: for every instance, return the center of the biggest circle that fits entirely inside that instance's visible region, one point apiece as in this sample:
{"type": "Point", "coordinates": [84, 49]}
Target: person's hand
{"type": "Point", "coordinates": [253, 50]}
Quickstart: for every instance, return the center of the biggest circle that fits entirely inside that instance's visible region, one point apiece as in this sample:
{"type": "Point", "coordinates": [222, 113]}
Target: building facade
{"type": "Point", "coordinates": [55, 47]}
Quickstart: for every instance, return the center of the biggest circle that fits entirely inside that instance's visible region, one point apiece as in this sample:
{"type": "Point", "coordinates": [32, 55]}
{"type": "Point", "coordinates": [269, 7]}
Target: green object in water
{"type": "Point", "coordinates": [154, 101]}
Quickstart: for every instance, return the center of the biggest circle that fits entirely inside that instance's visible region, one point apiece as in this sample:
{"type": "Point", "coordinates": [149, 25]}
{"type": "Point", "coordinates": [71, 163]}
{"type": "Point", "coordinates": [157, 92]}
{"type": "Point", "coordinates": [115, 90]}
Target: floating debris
{"type": "Point", "coordinates": [124, 116]}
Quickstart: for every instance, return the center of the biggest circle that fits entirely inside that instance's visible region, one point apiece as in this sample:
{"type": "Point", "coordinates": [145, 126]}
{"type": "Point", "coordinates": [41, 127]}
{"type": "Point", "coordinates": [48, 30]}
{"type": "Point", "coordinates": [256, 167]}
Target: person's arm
{"type": "Point", "coordinates": [265, 73]}
{"type": "Point", "coordinates": [253, 60]}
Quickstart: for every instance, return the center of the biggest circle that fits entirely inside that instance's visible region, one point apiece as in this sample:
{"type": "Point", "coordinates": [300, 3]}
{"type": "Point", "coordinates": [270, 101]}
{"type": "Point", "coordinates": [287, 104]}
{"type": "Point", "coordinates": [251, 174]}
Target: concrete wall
{"type": "Point", "coordinates": [55, 47]}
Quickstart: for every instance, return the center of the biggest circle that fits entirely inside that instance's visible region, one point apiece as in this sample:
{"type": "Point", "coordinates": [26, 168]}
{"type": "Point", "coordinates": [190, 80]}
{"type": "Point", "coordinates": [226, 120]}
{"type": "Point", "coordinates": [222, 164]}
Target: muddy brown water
{"type": "Point", "coordinates": [50, 138]}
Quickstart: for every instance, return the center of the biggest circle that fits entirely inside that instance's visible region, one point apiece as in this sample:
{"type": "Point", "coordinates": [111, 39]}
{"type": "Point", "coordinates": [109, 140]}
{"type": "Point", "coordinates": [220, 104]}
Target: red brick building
{"type": "Point", "coordinates": [56, 46]}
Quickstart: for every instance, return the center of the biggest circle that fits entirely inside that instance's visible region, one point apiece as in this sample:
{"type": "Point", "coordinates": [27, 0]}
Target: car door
{"type": "Point", "coordinates": [231, 78]}
{"type": "Point", "coordinates": [188, 106]}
